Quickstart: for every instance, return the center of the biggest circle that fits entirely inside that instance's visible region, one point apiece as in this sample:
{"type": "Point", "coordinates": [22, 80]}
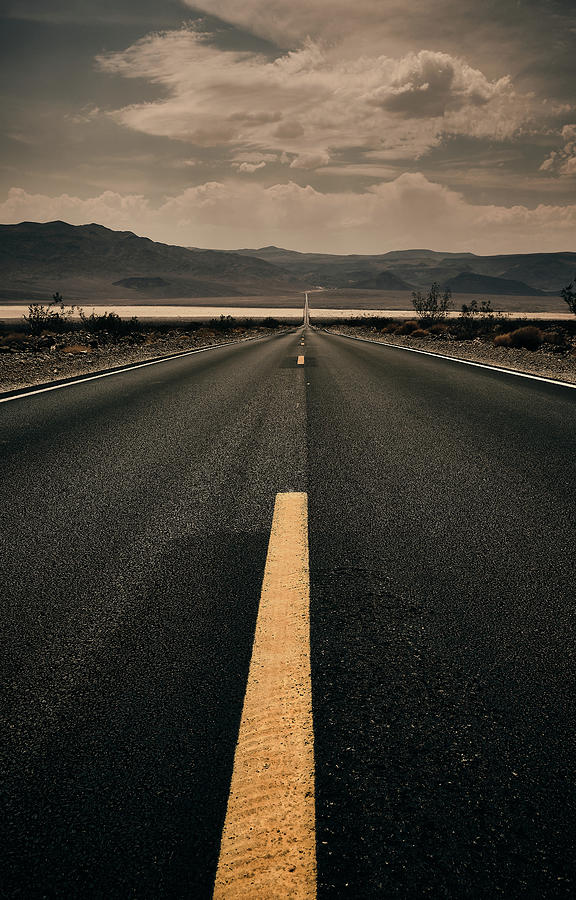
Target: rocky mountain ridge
{"type": "Point", "coordinates": [92, 263]}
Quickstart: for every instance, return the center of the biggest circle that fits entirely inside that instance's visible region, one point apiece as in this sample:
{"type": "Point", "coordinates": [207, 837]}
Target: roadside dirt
{"type": "Point", "coordinates": [39, 362]}
{"type": "Point", "coordinates": [545, 361]}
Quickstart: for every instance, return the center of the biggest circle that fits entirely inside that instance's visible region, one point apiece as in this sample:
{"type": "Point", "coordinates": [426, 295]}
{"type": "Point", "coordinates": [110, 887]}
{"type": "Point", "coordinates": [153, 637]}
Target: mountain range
{"type": "Point", "coordinates": [527, 274]}
{"type": "Point", "coordinates": [91, 262]}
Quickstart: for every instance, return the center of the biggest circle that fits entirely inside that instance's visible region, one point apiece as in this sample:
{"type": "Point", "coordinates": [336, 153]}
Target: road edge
{"type": "Point", "coordinates": [457, 359]}
{"type": "Point", "coordinates": [41, 387]}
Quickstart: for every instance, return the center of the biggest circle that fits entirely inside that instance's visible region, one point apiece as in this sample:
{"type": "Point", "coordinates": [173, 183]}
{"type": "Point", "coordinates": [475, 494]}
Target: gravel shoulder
{"type": "Point", "coordinates": [560, 365]}
{"type": "Point", "coordinates": [72, 355]}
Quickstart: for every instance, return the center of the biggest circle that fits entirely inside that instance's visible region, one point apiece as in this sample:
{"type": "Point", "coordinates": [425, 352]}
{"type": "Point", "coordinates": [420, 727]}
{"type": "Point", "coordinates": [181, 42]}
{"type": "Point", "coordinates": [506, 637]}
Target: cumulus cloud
{"type": "Point", "coordinates": [531, 37]}
{"type": "Point", "coordinates": [430, 84]}
{"type": "Point", "coordinates": [312, 160]}
{"type": "Point", "coordinates": [563, 161]}
{"type": "Point", "coordinates": [311, 101]}
{"type": "Point", "coordinates": [406, 212]}
{"type": "Point", "coordinates": [121, 211]}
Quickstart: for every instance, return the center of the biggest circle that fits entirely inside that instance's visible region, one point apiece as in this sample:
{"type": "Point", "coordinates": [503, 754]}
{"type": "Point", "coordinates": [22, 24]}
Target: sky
{"type": "Point", "coordinates": [316, 125]}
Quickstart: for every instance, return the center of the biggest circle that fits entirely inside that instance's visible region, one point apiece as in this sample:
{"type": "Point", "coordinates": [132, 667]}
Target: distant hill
{"type": "Point", "coordinates": [540, 269]}
{"type": "Point", "coordinates": [383, 281]}
{"type": "Point", "coordinates": [473, 283]}
{"type": "Point", "coordinates": [547, 272]}
{"type": "Point", "coordinates": [90, 262]}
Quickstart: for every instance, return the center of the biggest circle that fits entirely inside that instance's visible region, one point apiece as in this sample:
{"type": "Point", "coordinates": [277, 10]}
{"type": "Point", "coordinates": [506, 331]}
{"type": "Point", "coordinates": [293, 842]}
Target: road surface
{"type": "Point", "coordinates": [136, 514]}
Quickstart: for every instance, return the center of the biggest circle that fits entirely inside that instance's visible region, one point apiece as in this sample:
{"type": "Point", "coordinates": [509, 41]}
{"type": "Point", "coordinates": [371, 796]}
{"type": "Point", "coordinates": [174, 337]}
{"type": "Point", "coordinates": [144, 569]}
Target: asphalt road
{"type": "Point", "coordinates": [136, 513]}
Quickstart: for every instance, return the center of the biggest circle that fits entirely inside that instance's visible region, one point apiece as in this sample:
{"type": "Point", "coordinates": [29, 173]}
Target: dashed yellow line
{"type": "Point", "coordinates": [268, 847]}
{"type": "Point", "coordinates": [300, 360]}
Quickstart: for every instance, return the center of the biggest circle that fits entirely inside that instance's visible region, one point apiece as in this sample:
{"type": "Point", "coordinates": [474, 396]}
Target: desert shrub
{"type": "Point", "coordinates": [109, 325]}
{"type": "Point", "coordinates": [378, 322]}
{"type": "Point", "coordinates": [438, 328]}
{"type": "Point", "coordinates": [483, 310]}
{"type": "Point", "coordinates": [466, 323]}
{"type": "Point", "coordinates": [224, 323]}
{"type": "Point", "coordinates": [108, 321]}
{"type": "Point", "coordinates": [476, 318]}
{"type": "Point", "coordinates": [568, 294]}
{"type": "Point", "coordinates": [407, 327]}
{"type": "Point", "coordinates": [433, 306]}
{"type": "Point", "coordinates": [529, 337]}
{"type": "Point", "coordinates": [271, 322]}
{"type": "Point", "coordinates": [41, 317]}
{"type": "Point", "coordinates": [420, 332]}
{"type": "Point", "coordinates": [52, 316]}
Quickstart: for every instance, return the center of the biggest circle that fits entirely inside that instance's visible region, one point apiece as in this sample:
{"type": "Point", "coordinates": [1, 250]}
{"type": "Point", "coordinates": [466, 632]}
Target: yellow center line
{"type": "Point", "coordinates": [268, 847]}
{"type": "Point", "coordinates": [300, 360]}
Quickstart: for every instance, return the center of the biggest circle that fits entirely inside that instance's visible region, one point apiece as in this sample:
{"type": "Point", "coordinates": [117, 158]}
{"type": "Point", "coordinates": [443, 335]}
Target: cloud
{"type": "Point", "coordinates": [409, 211]}
{"type": "Point", "coordinates": [488, 32]}
{"type": "Point", "coordinates": [563, 161]}
{"type": "Point", "coordinates": [310, 160]}
{"type": "Point", "coordinates": [86, 115]}
{"type": "Point", "coordinates": [430, 84]}
{"type": "Point", "coordinates": [250, 162]}
{"type": "Point", "coordinates": [248, 167]}
{"type": "Point", "coordinates": [288, 23]}
{"type": "Point", "coordinates": [311, 102]}
{"type": "Point", "coordinates": [109, 208]}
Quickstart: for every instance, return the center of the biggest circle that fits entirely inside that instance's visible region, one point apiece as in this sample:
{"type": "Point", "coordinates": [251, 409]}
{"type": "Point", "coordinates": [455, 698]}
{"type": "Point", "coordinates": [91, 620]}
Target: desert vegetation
{"type": "Point", "coordinates": [109, 330]}
{"type": "Point", "coordinates": [483, 326]}
{"type": "Point", "coordinates": [433, 306]}
{"type": "Point", "coordinates": [55, 340]}
{"type": "Point", "coordinates": [568, 294]}
{"type": "Point", "coordinates": [59, 323]}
